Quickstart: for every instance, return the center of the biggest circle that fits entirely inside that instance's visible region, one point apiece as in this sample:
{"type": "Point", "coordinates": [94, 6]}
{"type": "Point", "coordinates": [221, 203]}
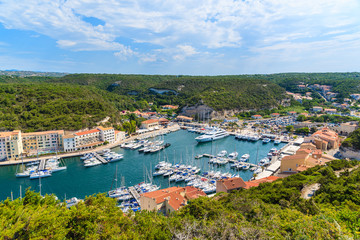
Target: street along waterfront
{"type": "Point", "coordinates": [78, 181]}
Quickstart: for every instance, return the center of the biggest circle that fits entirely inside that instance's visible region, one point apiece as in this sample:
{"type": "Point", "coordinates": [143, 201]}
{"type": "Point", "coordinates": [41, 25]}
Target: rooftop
{"type": "Point", "coordinates": [150, 121]}
{"type": "Point", "coordinates": [233, 183]}
{"type": "Point", "coordinates": [86, 132]}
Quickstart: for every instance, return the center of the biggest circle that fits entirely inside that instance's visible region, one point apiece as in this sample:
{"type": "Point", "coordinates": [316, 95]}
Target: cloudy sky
{"type": "Point", "coordinates": [180, 36]}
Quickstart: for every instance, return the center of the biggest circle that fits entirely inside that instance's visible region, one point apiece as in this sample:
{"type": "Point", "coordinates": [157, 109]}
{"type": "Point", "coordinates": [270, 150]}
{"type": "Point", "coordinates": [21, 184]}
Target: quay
{"type": "Point", "coordinates": [80, 153]}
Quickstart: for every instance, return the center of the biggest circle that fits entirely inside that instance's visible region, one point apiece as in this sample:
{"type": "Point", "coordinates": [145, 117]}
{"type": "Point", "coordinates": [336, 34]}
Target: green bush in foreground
{"type": "Point", "coordinates": [270, 211]}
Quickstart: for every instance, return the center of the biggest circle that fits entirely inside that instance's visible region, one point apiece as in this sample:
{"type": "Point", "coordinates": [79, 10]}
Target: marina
{"type": "Point", "coordinates": [79, 181]}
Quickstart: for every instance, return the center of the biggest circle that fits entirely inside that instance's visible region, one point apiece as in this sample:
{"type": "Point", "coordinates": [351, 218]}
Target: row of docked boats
{"type": "Point", "coordinates": [146, 146]}
{"type": "Point", "coordinates": [125, 195]}
{"type": "Point", "coordinates": [33, 170]}
{"type": "Point", "coordinates": [105, 156]}
{"type": "Point", "coordinates": [255, 138]}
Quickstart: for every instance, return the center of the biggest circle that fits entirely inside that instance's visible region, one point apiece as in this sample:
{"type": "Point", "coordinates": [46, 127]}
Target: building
{"type": "Point", "coordinates": [43, 142]}
{"type": "Point", "coordinates": [301, 86]}
{"type": "Point", "coordinates": [119, 135]}
{"type": "Point", "coordinates": [355, 96]}
{"type": "Point", "coordinates": [231, 120]}
{"type": "Point", "coordinates": [257, 182]}
{"type": "Point", "coordinates": [150, 124]}
{"type": "Point", "coordinates": [69, 143]}
{"type": "Point", "coordinates": [168, 107]}
{"type": "Point", "coordinates": [325, 139]}
{"type": "Point", "coordinates": [107, 134]}
{"type": "Point", "coordinates": [275, 115]}
{"type": "Point", "coordinates": [292, 113]}
{"type": "Point", "coordinates": [11, 146]}
{"type": "Point", "coordinates": [317, 109]}
{"type": "Point", "coordinates": [230, 184]}
{"type": "Point", "coordinates": [304, 158]}
{"type": "Point", "coordinates": [163, 121]}
{"type": "Point", "coordinates": [345, 128]}
{"type": "Point", "coordinates": [256, 116]}
{"type": "Point", "coordinates": [169, 200]}
{"type": "Point", "coordinates": [330, 110]}
{"type": "Point", "coordinates": [347, 100]}
{"type": "Point", "coordinates": [184, 119]}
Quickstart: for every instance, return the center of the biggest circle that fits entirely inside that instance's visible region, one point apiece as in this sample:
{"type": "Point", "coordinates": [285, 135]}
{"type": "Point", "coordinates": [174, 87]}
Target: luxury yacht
{"type": "Point", "coordinates": [212, 135]}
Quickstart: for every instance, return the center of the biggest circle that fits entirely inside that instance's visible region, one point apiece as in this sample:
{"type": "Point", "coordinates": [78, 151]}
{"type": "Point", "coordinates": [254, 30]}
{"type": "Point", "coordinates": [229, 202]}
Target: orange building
{"type": "Point", "coordinates": [170, 199]}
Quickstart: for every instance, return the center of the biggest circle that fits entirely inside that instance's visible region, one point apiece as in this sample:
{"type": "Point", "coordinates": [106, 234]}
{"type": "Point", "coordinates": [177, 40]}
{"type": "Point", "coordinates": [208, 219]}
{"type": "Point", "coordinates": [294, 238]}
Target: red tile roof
{"type": "Point", "coordinates": [233, 183]}
{"type": "Point", "coordinates": [256, 183]}
{"type": "Point", "coordinates": [86, 132]}
{"type": "Point", "coordinates": [150, 121]}
{"type": "Point", "coordinates": [193, 192]}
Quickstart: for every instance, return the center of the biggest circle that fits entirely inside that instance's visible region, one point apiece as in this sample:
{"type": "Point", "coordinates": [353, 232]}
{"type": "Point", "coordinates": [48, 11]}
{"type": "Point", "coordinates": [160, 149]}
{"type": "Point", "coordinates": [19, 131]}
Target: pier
{"type": "Point", "coordinates": [100, 158]}
{"type": "Point", "coordinates": [135, 194]}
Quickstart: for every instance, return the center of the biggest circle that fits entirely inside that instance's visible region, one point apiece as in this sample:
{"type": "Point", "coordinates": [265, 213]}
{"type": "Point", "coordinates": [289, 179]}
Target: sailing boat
{"type": "Point", "coordinates": [24, 173]}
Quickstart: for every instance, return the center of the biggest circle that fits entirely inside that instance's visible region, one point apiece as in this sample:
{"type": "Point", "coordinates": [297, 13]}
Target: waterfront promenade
{"type": "Point", "coordinates": [79, 153]}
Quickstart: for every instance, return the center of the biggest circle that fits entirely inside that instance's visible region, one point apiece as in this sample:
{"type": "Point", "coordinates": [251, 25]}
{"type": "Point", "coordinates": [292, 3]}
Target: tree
{"type": "Point", "coordinates": [301, 118]}
{"type": "Point", "coordinates": [290, 128]}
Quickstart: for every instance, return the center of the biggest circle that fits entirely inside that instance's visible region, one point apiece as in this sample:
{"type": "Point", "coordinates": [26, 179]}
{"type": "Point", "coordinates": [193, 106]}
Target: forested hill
{"type": "Point", "coordinates": [219, 92]}
{"type": "Point", "coordinates": [270, 211]}
{"type": "Point", "coordinates": [47, 106]}
{"type": "Point", "coordinates": [342, 83]}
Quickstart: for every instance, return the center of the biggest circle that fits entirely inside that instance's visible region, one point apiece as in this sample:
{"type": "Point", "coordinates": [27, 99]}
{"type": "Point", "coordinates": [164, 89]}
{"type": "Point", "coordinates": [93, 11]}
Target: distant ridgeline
{"type": "Point", "coordinates": [219, 92]}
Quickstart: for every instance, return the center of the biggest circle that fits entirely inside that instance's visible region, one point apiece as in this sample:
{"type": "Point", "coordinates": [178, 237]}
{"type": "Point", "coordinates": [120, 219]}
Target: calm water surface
{"type": "Point", "coordinates": [79, 181]}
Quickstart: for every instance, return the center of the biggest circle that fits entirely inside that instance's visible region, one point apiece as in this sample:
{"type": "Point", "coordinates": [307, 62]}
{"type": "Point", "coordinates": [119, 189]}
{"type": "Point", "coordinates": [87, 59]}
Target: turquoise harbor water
{"type": "Point", "coordinates": [78, 181]}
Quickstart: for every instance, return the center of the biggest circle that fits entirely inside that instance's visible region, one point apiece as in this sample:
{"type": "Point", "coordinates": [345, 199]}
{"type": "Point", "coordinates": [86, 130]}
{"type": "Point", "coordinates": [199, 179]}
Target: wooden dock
{"type": "Point", "coordinates": [100, 158]}
{"type": "Point", "coordinates": [135, 194]}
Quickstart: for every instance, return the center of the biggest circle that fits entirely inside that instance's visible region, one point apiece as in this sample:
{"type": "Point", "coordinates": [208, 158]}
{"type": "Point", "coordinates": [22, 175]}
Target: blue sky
{"type": "Point", "coordinates": [180, 36]}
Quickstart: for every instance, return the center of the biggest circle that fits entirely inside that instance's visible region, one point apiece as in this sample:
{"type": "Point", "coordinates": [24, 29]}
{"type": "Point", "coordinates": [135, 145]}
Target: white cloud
{"type": "Point", "coordinates": [194, 27]}
{"type": "Point", "coordinates": [124, 53]}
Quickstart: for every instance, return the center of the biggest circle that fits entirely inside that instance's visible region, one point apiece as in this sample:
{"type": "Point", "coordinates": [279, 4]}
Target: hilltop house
{"type": "Point", "coordinates": [170, 199]}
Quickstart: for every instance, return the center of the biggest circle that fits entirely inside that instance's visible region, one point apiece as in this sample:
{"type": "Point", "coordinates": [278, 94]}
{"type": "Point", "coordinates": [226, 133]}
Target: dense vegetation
{"type": "Point", "coordinates": [42, 106]}
{"type": "Point", "coordinates": [353, 140]}
{"type": "Point", "coordinates": [219, 92]}
{"type": "Point", "coordinates": [342, 83]}
{"type": "Point", "coordinates": [270, 211]}
{"type": "Point", "coordinates": [80, 100]}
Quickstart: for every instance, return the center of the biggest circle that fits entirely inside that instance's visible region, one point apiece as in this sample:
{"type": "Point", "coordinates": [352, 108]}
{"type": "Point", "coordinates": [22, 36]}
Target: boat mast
{"type": "Point", "coordinates": [40, 184]}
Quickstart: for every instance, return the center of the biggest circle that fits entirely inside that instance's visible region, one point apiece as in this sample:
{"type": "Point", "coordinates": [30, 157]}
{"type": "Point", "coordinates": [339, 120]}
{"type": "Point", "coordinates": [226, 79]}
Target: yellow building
{"type": "Point", "coordinates": [47, 141]}
{"type": "Point", "coordinates": [11, 146]}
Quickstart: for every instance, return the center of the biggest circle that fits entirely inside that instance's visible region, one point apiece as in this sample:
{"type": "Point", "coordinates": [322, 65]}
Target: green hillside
{"type": "Point", "coordinates": [43, 106]}
{"type": "Point", "coordinates": [353, 140]}
{"type": "Point", "coordinates": [219, 92]}
{"type": "Point", "coordinates": [270, 211]}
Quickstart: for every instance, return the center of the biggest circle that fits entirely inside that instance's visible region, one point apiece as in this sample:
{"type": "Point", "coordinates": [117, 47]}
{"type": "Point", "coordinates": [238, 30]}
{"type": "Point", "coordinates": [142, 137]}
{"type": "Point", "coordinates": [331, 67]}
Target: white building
{"type": "Point", "coordinates": [107, 134]}
{"type": "Point", "coordinates": [69, 143]}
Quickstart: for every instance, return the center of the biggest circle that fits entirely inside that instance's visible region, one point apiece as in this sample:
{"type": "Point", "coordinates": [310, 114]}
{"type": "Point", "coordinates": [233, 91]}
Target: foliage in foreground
{"type": "Point", "coordinates": [271, 211]}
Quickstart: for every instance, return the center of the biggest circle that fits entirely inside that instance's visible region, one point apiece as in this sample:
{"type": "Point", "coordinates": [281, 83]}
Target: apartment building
{"type": "Point", "coordinates": [107, 134]}
{"type": "Point", "coordinates": [48, 141]}
{"type": "Point", "coordinates": [11, 146]}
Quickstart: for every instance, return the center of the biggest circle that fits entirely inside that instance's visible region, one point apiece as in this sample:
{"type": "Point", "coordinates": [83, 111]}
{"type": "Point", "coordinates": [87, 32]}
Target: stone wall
{"type": "Point", "coordinates": [349, 153]}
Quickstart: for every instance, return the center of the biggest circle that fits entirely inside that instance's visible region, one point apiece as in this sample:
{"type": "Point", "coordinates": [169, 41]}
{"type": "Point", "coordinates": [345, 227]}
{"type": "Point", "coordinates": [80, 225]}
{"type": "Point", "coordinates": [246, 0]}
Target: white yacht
{"type": "Point", "coordinates": [244, 157]}
{"type": "Point", "coordinates": [223, 153]}
{"type": "Point", "coordinates": [212, 135]}
{"type": "Point", "coordinates": [233, 155]}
